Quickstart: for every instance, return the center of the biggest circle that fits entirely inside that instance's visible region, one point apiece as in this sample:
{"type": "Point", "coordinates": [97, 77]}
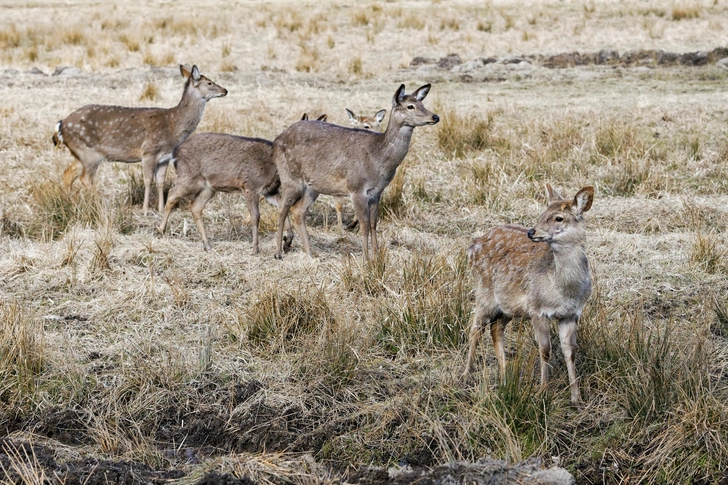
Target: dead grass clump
{"type": "Point", "coordinates": [55, 210]}
{"type": "Point", "coordinates": [277, 319]}
{"type": "Point", "coordinates": [459, 135]}
{"type": "Point", "coordinates": [450, 23]}
{"type": "Point", "coordinates": [707, 253]}
{"type": "Point", "coordinates": [132, 43]}
{"type": "Point", "coordinates": [73, 36]}
{"type": "Point", "coordinates": [355, 66]}
{"type": "Point", "coordinates": [685, 12]}
{"type": "Point", "coordinates": [366, 278]}
{"type": "Point", "coordinates": [151, 92]}
{"type": "Point", "coordinates": [308, 61]}
{"type": "Point", "coordinates": [434, 309]}
{"type": "Point", "coordinates": [10, 37]}
{"type": "Point", "coordinates": [22, 353]}
{"type": "Point", "coordinates": [412, 21]}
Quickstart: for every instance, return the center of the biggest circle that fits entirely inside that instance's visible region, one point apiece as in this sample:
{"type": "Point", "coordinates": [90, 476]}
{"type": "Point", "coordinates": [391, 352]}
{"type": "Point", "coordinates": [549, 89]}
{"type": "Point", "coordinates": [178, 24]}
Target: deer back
{"type": "Point", "coordinates": [227, 163]}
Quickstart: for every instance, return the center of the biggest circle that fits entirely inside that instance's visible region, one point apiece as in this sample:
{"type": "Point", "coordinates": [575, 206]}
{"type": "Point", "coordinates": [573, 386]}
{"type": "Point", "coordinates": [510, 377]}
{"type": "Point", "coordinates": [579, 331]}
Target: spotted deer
{"type": "Point", "coordinates": [540, 273]}
{"type": "Point", "coordinates": [208, 163]}
{"type": "Point", "coordinates": [97, 133]}
{"type": "Point", "coordinates": [315, 158]}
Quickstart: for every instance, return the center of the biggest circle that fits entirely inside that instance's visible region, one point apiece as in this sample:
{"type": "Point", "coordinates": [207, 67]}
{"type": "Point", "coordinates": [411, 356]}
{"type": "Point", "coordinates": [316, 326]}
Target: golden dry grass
{"type": "Point", "coordinates": [138, 343]}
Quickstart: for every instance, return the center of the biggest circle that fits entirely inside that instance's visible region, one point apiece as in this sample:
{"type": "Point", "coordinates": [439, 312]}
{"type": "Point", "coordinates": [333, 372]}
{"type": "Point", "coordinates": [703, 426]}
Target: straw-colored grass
{"type": "Point", "coordinates": [120, 346]}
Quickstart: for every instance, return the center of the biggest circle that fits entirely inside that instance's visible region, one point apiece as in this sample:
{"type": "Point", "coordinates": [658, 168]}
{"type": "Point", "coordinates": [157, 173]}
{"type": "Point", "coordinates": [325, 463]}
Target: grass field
{"type": "Point", "coordinates": [120, 346]}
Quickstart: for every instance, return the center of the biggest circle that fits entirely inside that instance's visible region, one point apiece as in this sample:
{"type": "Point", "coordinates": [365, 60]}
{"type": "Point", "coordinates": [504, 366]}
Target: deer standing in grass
{"type": "Point", "coordinates": [540, 273]}
{"type": "Point", "coordinates": [97, 133]}
{"type": "Point", "coordinates": [371, 123]}
{"type": "Point", "coordinates": [207, 163]}
{"type": "Point", "coordinates": [315, 158]}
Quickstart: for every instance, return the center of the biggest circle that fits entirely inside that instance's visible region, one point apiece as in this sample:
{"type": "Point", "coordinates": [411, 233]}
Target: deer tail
{"type": "Point", "coordinates": [58, 134]}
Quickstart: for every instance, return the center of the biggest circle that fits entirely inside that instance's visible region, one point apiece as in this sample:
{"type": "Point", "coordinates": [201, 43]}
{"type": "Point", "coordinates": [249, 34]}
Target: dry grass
{"type": "Point", "coordinates": [117, 344]}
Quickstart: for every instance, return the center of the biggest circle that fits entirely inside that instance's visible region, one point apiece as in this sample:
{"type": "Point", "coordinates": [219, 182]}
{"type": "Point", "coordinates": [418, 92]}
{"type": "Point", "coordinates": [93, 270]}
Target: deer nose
{"type": "Point", "coordinates": [531, 233]}
{"type": "Point", "coordinates": [435, 118]}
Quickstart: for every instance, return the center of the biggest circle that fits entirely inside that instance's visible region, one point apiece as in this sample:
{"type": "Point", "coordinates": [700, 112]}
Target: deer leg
{"type": "Point", "coordinates": [149, 165]}
{"type": "Point", "coordinates": [567, 335]}
{"type": "Point", "coordinates": [71, 173]}
{"type": "Point", "coordinates": [339, 206]}
{"type": "Point", "coordinates": [197, 205]}
{"type": "Point", "coordinates": [177, 193]}
{"type": "Point", "coordinates": [373, 219]}
{"type": "Point", "coordinates": [287, 201]}
{"type": "Point", "coordinates": [159, 176]}
{"type": "Point", "coordinates": [497, 333]}
{"type": "Point", "coordinates": [251, 200]}
{"type": "Point", "coordinates": [300, 208]}
{"type": "Point", "coordinates": [480, 318]}
{"type": "Point", "coordinates": [288, 239]}
{"type": "Point", "coordinates": [361, 209]}
{"type": "Point", "coordinates": [542, 331]}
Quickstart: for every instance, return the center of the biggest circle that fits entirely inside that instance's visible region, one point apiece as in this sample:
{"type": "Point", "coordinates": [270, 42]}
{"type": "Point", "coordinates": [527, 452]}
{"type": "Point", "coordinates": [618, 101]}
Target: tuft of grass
{"type": "Point", "coordinates": [151, 92]}
{"type": "Point", "coordinates": [355, 66]}
{"type": "Point", "coordinates": [277, 319]}
{"type": "Point", "coordinates": [366, 277]}
{"type": "Point", "coordinates": [56, 211]}
{"type": "Point", "coordinates": [685, 12]}
{"type": "Point", "coordinates": [132, 43]}
{"type": "Point", "coordinates": [22, 352]}
{"type": "Point", "coordinates": [434, 308]}
{"type": "Point", "coordinates": [707, 253]}
{"type": "Point", "coordinates": [459, 135]}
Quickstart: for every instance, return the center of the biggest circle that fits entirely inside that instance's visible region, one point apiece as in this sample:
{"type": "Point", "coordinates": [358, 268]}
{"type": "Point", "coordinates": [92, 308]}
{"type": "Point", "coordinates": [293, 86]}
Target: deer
{"type": "Point", "coordinates": [373, 123]}
{"type": "Point", "coordinates": [315, 158]}
{"type": "Point", "coordinates": [207, 163]}
{"type": "Point", "coordinates": [541, 273]}
{"type": "Point", "coordinates": [320, 118]}
{"type": "Point", "coordinates": [97, 133]}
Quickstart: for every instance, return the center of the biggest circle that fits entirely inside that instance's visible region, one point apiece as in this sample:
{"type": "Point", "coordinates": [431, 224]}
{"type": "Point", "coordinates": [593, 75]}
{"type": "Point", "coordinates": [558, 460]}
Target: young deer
{"type": "Point", "coordinates": [207, 163]}
{"type": "Point", "coordinates": [96, 133]}
{"type": "Point", "coordinates": [540, 273]}
{"type": "Point", "coordinates": [373, 123]}
{"type": "Point", "coordinates": [320, 158]}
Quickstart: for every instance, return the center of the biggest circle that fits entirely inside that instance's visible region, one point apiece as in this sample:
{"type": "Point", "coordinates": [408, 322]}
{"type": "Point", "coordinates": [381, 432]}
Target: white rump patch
{"type": "Point", "coordinates": [58, 132]}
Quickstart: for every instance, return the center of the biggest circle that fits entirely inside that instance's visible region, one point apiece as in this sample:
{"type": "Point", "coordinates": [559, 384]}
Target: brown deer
{"type": "Point", "coordinates": [315, 158]}
{"type": "Point", "coordinates": [373, 123]}
{"type": "Point", "coordinates": [540, 273]}
{"type": "Point", "coordinates": [320, 118]}
{"type": "Point", "coordinates": [207, 163]}
{"type": "Point", "coordinates": [95, 133]}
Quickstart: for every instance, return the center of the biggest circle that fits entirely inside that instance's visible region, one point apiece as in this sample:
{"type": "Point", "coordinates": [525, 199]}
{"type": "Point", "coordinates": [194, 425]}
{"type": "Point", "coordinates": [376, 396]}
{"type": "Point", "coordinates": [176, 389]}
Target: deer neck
{"type": "Point", "coordinates": [395, 145]}
{"type": "Point", "coordinates": [571, 267]}
{"type": "Point", "coordinates": [185, 117]}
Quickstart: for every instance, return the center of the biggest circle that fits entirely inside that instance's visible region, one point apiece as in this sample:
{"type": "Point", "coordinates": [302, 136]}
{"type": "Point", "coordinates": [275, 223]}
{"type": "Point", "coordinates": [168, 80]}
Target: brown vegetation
{"type": "Point", "coordinates": [117, 346]}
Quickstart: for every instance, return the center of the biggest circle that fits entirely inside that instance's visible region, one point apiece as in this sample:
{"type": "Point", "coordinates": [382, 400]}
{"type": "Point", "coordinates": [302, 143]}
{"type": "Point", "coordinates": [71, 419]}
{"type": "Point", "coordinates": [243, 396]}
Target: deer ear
{"type": "Point", "coordinates": [380, 115]}
{"type": "Point", "coordinates": [304, 117]}
{"type": "Point", "coordinates": [195, 74]}
{"type": "Point", "coordinates": [552, 194]}
{"type": "Point", "coordinates": [398, 96]}
{"type": "Point", "coordinates": [321, 118]}
{"type": "Point", "coordinates": [184, 70]}
{"type": "Point", "coordinates": [422, 92]}
{"type": "Point", "coordinates": [583, 200]}
{"type": "Point", "coordinates": [352, 116]}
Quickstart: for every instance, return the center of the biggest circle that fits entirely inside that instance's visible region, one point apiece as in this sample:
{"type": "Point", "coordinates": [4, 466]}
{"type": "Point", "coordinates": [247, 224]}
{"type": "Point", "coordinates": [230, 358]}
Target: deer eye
{"type": "Point", "coordinates": [410, 106]}
{"type": "Point", "coordinates": [367, 126]}
{"type": "Point", "coordinates": [209, 83]}
{"type": "Point", "coordinates": [559, 219]}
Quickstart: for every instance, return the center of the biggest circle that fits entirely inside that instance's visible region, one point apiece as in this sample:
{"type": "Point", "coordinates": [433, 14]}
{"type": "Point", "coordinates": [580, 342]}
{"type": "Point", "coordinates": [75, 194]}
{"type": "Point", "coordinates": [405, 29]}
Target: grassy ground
{"type": "Point", "coordinates": [118, 344]}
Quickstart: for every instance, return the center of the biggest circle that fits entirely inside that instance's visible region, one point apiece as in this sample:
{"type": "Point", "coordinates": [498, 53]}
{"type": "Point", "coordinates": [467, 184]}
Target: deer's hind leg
{"type": "Point", "coordinates": [84, 166]}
